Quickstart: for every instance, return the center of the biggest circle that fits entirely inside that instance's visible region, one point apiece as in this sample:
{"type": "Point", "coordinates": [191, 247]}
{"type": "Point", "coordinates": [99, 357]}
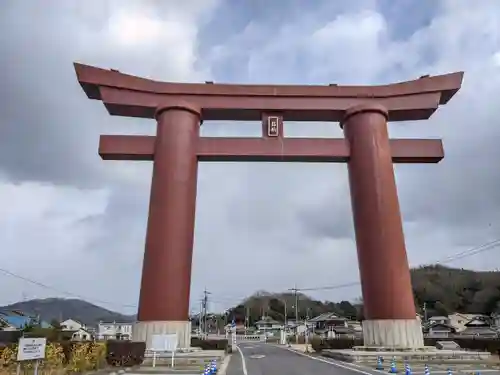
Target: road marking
{"type": "Point", "coordinates": [257, 356]}
{"type": "Point", "coordinates": [249, 347]}
{"type": "Point", "coordinates": [329, 362]}
{"type": "Point", "coordinates": [224, 365]}
{"type": "Point", "coordinates": [243, 362]}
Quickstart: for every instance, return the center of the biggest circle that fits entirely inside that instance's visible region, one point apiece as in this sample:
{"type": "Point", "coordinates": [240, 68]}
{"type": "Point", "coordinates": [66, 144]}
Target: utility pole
{"type": "Point", "coordinates": [247, 319]}
{"type": "Point", "coordinates": [200, 317]}
{"type": "Point", "coordinates": [205, 304]}
{"type": "Point", "coordinates": [425, 311]}
{"type": "Point", "coordinates": [295, 290]}
{"type": "Point", "coordinates": [307, 330]}
{"type": "Point", "coordinates": [286, 314]}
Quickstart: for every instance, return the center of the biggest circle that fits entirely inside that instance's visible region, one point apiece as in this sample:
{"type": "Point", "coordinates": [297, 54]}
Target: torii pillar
{"type": "Point", "coordinates": [166, 270]}
{"type": "Point", "coordinates": [388, 304]}
{"type": "Point", "coordinates": [363, 112]}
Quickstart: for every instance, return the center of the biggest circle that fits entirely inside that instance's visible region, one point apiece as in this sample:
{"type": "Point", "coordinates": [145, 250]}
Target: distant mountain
{"type": "Point", "coordinates": [446, 290]}
{"type": "Point", "coordinates": [59, 309]}
{"type": "Point", "coordinates": [443, 290]}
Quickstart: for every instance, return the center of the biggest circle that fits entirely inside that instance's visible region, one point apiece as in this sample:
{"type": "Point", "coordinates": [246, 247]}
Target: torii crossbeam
{"type": "Point", "coordinates": [362, 111]}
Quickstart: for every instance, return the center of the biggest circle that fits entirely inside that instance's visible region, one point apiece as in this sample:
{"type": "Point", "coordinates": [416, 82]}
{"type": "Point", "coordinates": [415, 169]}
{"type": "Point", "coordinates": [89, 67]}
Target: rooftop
{"type": "Point", "coordinates": [327, 316]}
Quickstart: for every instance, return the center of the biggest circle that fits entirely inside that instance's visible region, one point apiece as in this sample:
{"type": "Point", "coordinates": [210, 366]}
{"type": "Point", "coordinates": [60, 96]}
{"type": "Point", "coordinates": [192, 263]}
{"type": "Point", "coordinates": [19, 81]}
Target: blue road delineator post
{"type": "Point", "coordinates": [426, 370]}
{"type": "Point", "coordinates": [380, 364]}
{"type": "Point", "coordinates": [450, 372]}
{"type": "Point", "coordinates": [407, 369]}
{"type": "Point", "coordinates": [393, 369]}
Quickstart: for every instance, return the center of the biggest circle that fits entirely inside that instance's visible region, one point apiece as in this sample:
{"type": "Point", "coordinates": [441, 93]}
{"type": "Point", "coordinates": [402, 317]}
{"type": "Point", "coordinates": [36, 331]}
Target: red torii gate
{"type": "Point", "coordinates": [363, 112]}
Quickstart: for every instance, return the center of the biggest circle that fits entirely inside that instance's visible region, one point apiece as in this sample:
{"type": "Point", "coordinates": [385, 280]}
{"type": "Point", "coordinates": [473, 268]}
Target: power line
{"type": "Point", "coordinates": [461, 255]}
{"type": "Point", "coordinates": [473, 251]}
{"type": "Point", "coordinates": [69, 294]}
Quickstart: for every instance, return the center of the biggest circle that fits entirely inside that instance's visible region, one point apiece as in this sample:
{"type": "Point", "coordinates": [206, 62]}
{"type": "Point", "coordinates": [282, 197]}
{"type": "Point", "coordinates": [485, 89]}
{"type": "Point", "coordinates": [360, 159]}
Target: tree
{"type": "Point", "coordinates": [441, 308]}
{"type": "Point", "coordinates": [55, 324]}
{"type": "Point", "coordinates": [28, 328]}
{"type": "Point", "coordinates": [277, 309]}
{"type": "Point", "coordinates": [347, 309]}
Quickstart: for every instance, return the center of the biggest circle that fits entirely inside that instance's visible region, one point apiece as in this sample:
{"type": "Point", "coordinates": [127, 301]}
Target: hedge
{"type": "Point", "coordinates": [209, 344]}
{"type": "Point", "coordinates": [481, 344]}
{"type": "Point", "coordinates": [124, 353]}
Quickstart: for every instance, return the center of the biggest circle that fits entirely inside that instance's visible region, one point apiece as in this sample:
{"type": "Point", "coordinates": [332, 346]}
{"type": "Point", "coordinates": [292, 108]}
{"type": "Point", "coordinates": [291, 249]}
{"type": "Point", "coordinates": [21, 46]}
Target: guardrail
{"type": "Point", "coordinates": [252, 338]}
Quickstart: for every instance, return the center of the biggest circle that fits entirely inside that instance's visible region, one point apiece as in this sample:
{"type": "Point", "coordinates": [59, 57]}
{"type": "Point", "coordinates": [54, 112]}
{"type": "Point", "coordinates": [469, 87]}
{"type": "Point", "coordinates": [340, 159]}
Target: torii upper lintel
{"type": "Point", "coordinates": [127, 95]}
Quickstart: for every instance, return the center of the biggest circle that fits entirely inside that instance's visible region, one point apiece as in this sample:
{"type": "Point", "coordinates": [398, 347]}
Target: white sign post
{"type": "Point", "coordinates": [31, 349]}
{"type": "Point", "coordinates": [163, 343]}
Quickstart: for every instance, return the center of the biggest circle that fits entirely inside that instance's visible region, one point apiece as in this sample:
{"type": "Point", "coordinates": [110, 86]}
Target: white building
{"type": "Point", "coordinates": [439, 320]}
{"type": "Point", "coordinates": [114, 331]}
{"type": "Point", "coordinates": [72, 325]}
{"type": "Point", "coordinates": [82, 335]}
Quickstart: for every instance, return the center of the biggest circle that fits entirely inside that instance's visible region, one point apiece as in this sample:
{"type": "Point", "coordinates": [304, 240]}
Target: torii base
{"type": "Point", "coordinates": [396, 333]}
{"type": "Point", "coordinates": [417, 357]}
{"type": "Point", "coordinates": [144, 331]}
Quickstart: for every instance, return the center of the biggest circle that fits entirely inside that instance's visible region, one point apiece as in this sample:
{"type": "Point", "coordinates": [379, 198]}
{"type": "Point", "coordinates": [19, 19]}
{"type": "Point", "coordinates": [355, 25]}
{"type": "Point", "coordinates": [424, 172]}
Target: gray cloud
{"type": "Point", "coordinates": [285, 223]}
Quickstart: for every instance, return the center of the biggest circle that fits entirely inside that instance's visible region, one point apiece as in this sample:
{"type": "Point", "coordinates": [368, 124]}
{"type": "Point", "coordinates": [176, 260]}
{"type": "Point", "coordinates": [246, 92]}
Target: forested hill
{"type": "Point", "coordinates": [448, 290]}
{"type": "Point", "coordinates": [50, 309]}
{"type": "Point", "coordinates": [443, 289]}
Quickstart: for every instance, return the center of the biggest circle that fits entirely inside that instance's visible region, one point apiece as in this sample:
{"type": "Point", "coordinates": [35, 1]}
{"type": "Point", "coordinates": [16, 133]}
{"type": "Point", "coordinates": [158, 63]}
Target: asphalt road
{"type": "Point", "coordinates": [267, 359]}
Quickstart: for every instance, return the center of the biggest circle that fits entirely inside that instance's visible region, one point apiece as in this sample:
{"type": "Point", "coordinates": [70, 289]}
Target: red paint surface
{"type": "Point", "coordinates": [177, 148]}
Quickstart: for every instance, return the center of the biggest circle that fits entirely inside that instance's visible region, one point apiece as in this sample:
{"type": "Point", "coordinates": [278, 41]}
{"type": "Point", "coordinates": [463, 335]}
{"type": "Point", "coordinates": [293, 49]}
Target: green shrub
{"type": "Point", "coordinates": [319, 344]}
{"type": "Point", "coordinates": [125, 353]}
{"type": "Point", "coordinates": [209, 344]}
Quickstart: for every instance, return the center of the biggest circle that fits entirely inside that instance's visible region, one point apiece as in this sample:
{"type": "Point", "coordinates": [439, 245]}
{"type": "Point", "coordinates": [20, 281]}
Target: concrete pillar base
{"type": "Point", "coordinates": [400, 333]}
{"type": "Point", "coordinates": [143, 331]}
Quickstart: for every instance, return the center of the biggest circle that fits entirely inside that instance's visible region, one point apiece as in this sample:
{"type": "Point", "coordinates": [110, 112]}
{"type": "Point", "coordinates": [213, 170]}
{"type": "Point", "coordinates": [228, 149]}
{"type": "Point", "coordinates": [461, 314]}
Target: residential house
{"type": "Point", "coordinates": [296, 327]}
{"type": "Point", "coordinates": [5, 326]}
{"type": "Point", "coordinates": [114, 331]}
{"type": "Point", "coordinates": [331, 325]}
{"type": "Point", "coordinates": [459, 320]}
{"type": "Point", "coordinates": [82, 335]}
{"type": "Point", "coordinates": [439, 330]}
{"type": "Point", "coordinates": [480, 326]}
{"type": "Point", "coordinates": [239, 327]}
{"type": "Point", "coordinates": [439, 319]}
{"type": "Point", "coordinates": [356, 326]}
{"type": "Point", "coordinates": [267, 324]}
{"type": "Point", "coordinates": [16, 320]}
{"type": "Point", "coordinates": [72, 325]}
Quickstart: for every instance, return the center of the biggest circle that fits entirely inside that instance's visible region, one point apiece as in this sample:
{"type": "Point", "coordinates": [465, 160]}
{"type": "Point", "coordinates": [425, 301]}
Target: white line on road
{"type": "Point", "coordinates": [243, 362]}
{"type": "Point", "coordinates": [257, 356]}
{"type": "Point", "coordinates": [330, 362]}
{"type": "Point", "coordinates": [224, 365]}
{"type": "Point", "coordinates": [361, 371]}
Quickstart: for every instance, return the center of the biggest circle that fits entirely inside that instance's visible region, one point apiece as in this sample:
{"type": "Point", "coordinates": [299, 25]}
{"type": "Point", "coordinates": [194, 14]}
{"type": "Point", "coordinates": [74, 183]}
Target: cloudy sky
{"type": "Point", "coordinates": [76, 223]}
